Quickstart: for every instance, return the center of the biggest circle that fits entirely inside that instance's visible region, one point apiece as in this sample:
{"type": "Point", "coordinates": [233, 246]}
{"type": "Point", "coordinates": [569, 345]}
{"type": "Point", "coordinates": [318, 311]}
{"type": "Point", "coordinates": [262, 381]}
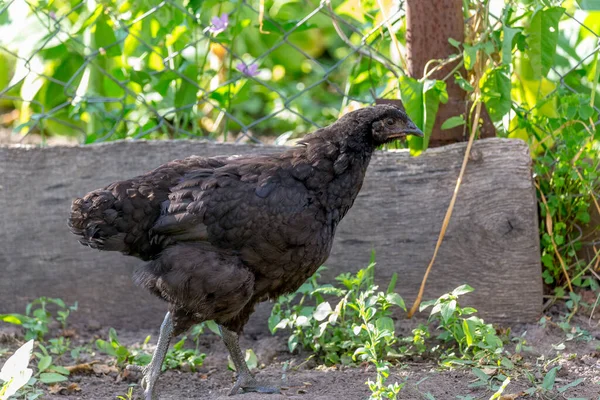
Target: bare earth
{"type": "Point", "coordinates": [301, 379]}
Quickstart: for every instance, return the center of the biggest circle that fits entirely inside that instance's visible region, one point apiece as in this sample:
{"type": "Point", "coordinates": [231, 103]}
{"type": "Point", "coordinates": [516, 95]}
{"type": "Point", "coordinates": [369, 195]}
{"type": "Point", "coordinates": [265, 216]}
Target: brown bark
{"type": "Point", "coordinates": [429, 25]}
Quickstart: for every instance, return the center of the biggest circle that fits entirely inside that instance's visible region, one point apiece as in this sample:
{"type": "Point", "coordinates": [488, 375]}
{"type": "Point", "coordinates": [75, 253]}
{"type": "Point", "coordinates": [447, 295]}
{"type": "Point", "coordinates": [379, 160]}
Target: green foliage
{"type": "Point", "coordinates": [128, 395]}
{"type": "Point", "coordinates": [126, 69]}
{"type": "Point", "coordinates": [421, 99]}
{"type": "Point", "coordinates": [47, 371]}
{"type": "Point", "coordinates": [537, 71]}
{"type": "Point", "coordinates": [380, 333]}
{"type": "Point", "coordinates": [335, 332]}
{"type": "Point", "coordinates": [38, 318]}
{"type": "Point", "coordinates": [177, 357]}
{"type": "Point", "coordinates": [475, 339]}
{"type": "Point", "coordinates": [122, 353]}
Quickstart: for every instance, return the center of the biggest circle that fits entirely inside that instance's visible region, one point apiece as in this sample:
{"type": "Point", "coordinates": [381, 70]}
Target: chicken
{"type": "Point", "coordinates": [222, 234]}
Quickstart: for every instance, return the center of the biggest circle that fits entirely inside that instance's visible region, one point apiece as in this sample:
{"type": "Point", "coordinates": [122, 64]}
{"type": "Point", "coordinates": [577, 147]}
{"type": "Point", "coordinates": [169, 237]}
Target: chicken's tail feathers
{"type": "Point", "coordinates": [95, 219]}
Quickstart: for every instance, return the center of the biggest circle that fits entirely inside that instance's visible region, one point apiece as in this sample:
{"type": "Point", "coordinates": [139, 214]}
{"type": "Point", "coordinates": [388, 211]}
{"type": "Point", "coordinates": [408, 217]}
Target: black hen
{"type": "Point", "coordinates": [222, 234]}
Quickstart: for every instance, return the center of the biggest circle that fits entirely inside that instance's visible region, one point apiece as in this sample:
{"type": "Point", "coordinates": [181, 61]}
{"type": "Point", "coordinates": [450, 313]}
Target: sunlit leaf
{"type": "Point", "coordinates": [507, 43]}
{"type": "Point", "coordinates": [542, 37]}
{"type": "Point", "coordinates": [105, 37]}
{"type": "Point", "coordinates": [52, 377]}
{"type": "Point", "coordinates": [323, 310]}
{"type": "Point", "coordinates": [453, 122]}
{"type": "Point", "coordinates": [495, 91]}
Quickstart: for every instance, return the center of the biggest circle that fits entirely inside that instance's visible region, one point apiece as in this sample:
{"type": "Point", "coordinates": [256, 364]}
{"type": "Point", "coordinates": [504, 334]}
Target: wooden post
{"type": "Point", "coordinates": [429, 25]}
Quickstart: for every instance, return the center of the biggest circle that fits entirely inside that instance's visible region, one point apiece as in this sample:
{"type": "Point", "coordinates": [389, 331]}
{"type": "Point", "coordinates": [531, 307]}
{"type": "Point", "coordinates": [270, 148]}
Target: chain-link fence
{"type": "Point", "coordinates": [113, 69]}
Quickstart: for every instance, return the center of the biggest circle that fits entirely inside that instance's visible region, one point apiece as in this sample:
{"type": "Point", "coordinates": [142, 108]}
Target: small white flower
{"type": "Point", "coordinates": [15, 373]}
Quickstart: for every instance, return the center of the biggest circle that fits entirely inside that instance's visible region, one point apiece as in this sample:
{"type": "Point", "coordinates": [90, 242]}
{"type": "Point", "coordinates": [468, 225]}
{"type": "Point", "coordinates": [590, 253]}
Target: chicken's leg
{"type": "Point", "coordinates": [151, 372]}
{"type": "Point", "coordinates": [245, 381]}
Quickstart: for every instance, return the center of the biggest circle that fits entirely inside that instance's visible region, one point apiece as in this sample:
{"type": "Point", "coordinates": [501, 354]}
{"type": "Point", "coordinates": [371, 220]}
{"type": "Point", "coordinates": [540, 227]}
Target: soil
{"type": "Point", "coordinates": [302, 379]}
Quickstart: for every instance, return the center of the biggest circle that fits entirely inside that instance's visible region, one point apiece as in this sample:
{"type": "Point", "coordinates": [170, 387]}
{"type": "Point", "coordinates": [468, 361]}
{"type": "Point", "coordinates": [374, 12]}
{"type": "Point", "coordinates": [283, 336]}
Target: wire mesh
{"type": "Point", "coordinates": [114, 69]}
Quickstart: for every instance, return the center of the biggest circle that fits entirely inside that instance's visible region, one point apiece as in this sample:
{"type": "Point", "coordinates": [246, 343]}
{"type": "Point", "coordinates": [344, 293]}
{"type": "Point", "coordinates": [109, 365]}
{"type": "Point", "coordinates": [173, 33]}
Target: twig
{"type": "Point", "coordinates": [357, 49]}
{"type": "Point", "coordinates": [450, 207]}
{"type": "Point", "coordinates": [549, 229]}
{"type": "Point", "coordinates": [261, 17]}
{"type": "Point", "coordinates": [388, 25]}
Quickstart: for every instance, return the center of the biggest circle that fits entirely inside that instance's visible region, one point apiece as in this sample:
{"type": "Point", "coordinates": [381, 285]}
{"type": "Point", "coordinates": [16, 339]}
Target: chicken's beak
{"type": "Point", "coordinates": [411, 129]}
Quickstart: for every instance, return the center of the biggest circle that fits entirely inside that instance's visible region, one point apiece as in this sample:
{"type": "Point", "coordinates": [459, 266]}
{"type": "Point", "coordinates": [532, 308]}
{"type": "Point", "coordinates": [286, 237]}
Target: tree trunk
{"type": "Point", "coordinates": [429, 25]}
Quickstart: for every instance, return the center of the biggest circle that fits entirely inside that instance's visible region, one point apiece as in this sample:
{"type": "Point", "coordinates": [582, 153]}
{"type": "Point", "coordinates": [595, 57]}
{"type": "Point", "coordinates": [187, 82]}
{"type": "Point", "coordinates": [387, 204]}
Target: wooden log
{"type": "Point", "coordinates": [492, 240]}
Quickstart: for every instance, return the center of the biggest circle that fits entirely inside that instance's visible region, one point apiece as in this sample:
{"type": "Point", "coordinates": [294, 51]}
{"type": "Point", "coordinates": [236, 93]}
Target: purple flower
{"type": "Point", "coordinates": [250, 70]}
{"type": "Point", "coordinates": [219, 24]}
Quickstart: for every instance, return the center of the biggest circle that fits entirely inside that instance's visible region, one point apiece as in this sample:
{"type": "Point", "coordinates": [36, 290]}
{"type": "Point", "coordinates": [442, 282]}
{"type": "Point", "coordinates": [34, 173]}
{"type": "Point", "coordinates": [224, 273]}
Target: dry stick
{"type": "Point", "coordinates": [549, 230]}
{"type": "Point", "coordinates": [450, 208]}
{"type": "Point", "coordinates": [261, 17]}
{"type": "Point", "coordinates": [388, 25]}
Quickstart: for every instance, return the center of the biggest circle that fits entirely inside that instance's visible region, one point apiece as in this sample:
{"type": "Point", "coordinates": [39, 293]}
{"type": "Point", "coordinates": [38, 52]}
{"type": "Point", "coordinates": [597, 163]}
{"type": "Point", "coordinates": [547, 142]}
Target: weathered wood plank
{"type": "Point", "coordinates": [491, 243]}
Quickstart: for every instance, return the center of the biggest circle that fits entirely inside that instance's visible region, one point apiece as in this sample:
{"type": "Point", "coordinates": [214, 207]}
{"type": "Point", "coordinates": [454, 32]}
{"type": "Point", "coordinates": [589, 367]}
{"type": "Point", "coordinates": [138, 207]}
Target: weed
{"type": "Point", "coordinates": [123, 354]}
{"type": "Point", "coordinates": [37, 318]}
{"type": "Point", "coordinates": [380, 335]}
{"type": "Point", "coordinates": [545, 386]}
{"type": "Point", "coordinates": [128, 395]}
{"type": "Point", "coordinates": [334, 332]}
{"type": "Point", "coordinates": [178, 356]}
{"type": "Point", "coordinates": [475, 339]}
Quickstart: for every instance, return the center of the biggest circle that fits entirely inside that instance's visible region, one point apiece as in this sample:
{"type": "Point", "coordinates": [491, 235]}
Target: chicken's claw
{"type": "Point", "coordinates": [247, 383]}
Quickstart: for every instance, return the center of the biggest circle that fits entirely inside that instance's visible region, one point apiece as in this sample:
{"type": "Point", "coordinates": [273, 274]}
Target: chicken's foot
{"type": "Point", "coordinates": [151, 372]}
{"type": "Point", "coordinates": [245, 380]}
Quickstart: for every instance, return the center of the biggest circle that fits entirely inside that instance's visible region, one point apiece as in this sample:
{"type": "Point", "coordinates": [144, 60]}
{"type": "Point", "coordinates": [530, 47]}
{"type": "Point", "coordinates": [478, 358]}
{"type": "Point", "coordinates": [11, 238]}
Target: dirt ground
{"type": "Point", "coordinates": [302, 379]}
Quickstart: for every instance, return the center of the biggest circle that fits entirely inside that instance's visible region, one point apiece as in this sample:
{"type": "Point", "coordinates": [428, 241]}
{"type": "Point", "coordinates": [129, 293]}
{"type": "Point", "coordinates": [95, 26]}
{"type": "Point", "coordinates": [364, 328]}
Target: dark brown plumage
{"type": "Point", "coordinates": [222, 234]}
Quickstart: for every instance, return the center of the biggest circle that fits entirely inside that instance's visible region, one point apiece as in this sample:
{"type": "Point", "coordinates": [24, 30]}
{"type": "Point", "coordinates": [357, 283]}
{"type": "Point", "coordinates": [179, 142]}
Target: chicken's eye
{"type": "Point", "coordinates": [389, 121]}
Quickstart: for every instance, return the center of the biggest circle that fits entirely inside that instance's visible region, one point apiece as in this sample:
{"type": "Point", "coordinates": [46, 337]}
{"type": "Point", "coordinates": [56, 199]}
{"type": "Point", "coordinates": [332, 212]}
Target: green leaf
{"type": "Point", "coordinates": [570, 385]}
{"type": "Point", "coordinates": [251, 359]}
{"type": "Point", "coordinates": [52, 377]}
{"type": "Point", "coordinates": [467, 331]}
{"type": "Point", "coordinates": [44, 363]}
{"type": "Point", "coordinates": [273, 321]}
{"type": "Point", "coordinates": [293, 342]}
{"type": "Point", "coordinates": [323, 310]}
{"type": "Point", "coordinates": [214, 328]}
{"type": "Point", "coordinates": [589, 5]}
{"type": "Point", "coordinates": [434, 93]}
{"type": "Point", "coordinates": [462, 289]}
{"type": "Point", "coordinates": [480, 374]}
{"type": "Point", "coordinates": [507, 363]}
{"type": "Point", "coordinates": [470, 56]}
{"type": "Point", "coordinates": [396, 299]}
{"type": "Point", "coordinates": [421, 100]}
{"type": "Point", "coordinates": [463, 83]}
{"type": "Point", "coordinates": [385, 324]}
{"type": "Point", "coordinates": [392, 285]}
{"type": "Point", "coordinates": [453, 122]}
{"type": "Point", "coordinates": [549, 379]}
{"type": "Point", "coordinates": [542, 37]}
{"type": "Point", "coordinates": [447, 310]}
{"type": "Point", "coordinates": [15, 319]}
{"type": "Point", "coordinates": [188, 89]}
{"type": "Point", "coordinates": [411, 93]}
{"type": "Point", "coordinates": [454, 42]}
{"type": "Point", "coordinates": [495, 92]}
{"type": "Point", "coordinates": [105, 347]}
{"type": "Point", "coordinates": [60, 369]}
{"type": "Point", "coordinates": [105, 37]}
{"type": "Point", "coordinates": [507, 43]}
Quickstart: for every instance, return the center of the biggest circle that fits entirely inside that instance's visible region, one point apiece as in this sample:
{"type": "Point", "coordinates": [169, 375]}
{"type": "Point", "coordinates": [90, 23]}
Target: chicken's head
{"type": "Point", "coordinates": [390, 124]}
